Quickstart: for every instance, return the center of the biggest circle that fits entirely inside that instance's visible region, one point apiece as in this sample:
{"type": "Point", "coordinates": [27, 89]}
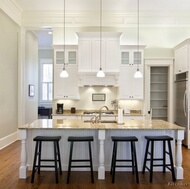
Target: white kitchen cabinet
{"type": "Point", "coordinates": [66, 88]}
{"type": "Point", "coordinates": [70, 56]}
{"type": "Point", "coordinates": [130, 87]}
{"type": "Point", "coordinates": [89, 52]}
{"type": "Point", "coordinates": [131, 56]}
{"type": "Point", "coordinates": [181, 59]}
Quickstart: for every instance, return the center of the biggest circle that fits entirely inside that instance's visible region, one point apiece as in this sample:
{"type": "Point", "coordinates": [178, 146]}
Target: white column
{"type": "Point", "coordinates": [178, 163]}
{"type": "Point", "coordinates": [101, 168]}
{"type": "Point", "coordinates": [23, 171]}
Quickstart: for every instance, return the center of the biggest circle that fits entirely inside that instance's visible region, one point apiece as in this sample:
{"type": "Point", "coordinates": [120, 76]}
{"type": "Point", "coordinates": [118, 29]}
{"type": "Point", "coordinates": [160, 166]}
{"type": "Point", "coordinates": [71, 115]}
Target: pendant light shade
{"type": "Point", "coordinates": [138, 74]}
{"type": "Point", "coordinates": [100, 72]}
{"type": "Point", "coordinates": [64, 73]}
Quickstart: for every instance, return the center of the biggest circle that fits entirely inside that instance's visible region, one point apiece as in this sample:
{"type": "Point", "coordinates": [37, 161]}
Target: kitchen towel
{"type": "Point", "coordinates": [120, 116]}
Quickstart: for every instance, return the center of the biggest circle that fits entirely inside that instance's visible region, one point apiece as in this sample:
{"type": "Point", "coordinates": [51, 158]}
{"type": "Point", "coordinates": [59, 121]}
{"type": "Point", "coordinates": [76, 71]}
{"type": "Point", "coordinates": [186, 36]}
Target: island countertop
{"type": "Point", "coordinates": [80, 124]}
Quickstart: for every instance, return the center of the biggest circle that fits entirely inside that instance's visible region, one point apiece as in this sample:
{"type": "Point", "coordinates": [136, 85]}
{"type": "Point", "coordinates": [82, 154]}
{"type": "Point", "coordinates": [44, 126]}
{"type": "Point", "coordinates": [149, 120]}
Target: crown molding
{"type": "Point", "coordinates": [35, 19]}
{"type": "Point", "coordinates": [11, 8]}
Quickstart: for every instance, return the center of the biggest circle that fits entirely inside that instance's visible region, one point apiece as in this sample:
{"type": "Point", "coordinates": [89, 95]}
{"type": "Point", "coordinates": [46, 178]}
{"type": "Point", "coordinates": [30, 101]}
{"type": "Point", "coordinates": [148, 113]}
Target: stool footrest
{"type": "Point", "coordinates": [79, 160]}
{"type": "Point", "coordinates": [80, 166]}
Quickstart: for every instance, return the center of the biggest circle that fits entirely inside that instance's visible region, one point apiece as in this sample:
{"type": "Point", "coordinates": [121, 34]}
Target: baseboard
{"type": "Point", "coordinates": [5, 141]}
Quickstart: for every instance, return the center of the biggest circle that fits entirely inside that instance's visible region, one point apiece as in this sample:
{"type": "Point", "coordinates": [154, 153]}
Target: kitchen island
{"type": "Point", "coordinates": [102, 145]}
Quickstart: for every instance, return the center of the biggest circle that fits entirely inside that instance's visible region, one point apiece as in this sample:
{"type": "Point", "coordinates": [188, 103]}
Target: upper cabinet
{"type": "Point", "coordinates": [70, 55]}
{"type": "Point", "coordinates": [181, 55]}
{"type": "Point", "coordinates": [89, 52]}
{"type": "Point", "coordinates": [130, 56]}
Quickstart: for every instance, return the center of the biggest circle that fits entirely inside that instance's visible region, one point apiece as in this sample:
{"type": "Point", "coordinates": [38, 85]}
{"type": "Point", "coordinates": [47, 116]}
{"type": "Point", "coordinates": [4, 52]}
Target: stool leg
{"type": "Point", "coordinates": [114, 161]}
{"type": "Point", "coordinates": [132, 157]}
{"type": "Point", "coordinates": [111, 169]}
{"type": "Point", "coordinates": [134, 161]}
{"type": "Point", "coordinates": [164, 156]}
{"type": "Point", "coordinates": [39, 156]}
{"type": "Point", "coordinates": [151, 160]}
{"type": "Point", "coordinates": [171, 161]}
{"type": "Point", "coordinates": [34, 163]}
{"type": "Point", "coordinates": [55, 161]}
{"type": "Point", "coordinates": [91, 166]}
{"type": "Point", "coordinates": [145, 156]}
{"type": "Point", "coordinates": [70, 159]}
{"type": "Point", "coordinates": [59, 157]}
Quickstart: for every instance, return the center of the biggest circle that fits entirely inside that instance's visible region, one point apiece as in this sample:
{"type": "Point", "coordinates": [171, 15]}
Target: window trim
{"type": "Point", "coordinates": [44, 61]}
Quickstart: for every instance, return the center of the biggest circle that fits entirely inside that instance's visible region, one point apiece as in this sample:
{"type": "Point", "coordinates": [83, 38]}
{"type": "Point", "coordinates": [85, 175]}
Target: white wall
{"type": "Point", "coordinates": [8, 76]}
{"type": "Point", "coordinates": [31, 76]}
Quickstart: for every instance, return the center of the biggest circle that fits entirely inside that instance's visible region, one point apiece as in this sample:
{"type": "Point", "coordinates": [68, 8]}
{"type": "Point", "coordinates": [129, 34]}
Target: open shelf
{"type": "Point", "coordinates": [159, 92]}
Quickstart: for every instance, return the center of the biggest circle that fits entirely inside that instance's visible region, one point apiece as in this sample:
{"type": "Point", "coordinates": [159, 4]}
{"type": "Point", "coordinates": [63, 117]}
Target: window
{"type": "Point", "coordinates": [46, 90]}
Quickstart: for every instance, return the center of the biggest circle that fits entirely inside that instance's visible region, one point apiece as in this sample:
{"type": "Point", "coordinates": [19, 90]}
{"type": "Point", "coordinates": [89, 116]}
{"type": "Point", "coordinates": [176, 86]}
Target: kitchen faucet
{"type": "Point", "coordinates": [100, 111]}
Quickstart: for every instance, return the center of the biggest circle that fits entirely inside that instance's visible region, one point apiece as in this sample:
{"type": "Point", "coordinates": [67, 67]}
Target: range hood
{"type": "Point", "coordinates": [110, 80]}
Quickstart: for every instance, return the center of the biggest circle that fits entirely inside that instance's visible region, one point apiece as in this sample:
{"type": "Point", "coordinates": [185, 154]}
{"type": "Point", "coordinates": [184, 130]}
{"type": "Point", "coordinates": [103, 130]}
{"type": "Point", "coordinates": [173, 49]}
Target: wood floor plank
{"type": "Point", "coordinates": [9, 176]}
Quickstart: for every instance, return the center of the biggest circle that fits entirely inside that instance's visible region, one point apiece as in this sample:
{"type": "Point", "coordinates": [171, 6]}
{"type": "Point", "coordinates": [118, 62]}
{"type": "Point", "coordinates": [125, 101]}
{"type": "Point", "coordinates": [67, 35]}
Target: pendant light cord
{"type": "Point", "coordinates": [100, 34]}
{"type": "Point", "coordinates": [138, 34]}
{"type": "Point", "coordinates": [64, 34]}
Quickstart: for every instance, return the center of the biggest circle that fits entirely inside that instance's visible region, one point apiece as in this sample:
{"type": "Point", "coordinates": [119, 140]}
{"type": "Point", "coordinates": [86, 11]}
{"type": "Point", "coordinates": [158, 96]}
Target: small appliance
{"type": "Point", "coordinates": [59, 108]}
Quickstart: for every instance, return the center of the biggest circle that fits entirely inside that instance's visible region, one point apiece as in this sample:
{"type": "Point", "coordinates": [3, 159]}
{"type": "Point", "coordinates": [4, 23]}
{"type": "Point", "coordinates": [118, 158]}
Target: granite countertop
{"type": "Point", "coordinates": [81, 113]}
{"type": "Point", "coordinates": [80, 124]}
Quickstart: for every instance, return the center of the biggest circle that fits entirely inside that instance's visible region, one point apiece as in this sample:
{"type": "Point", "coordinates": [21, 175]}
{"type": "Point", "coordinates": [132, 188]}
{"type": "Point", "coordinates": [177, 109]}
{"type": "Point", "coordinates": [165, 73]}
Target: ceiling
{"type": "Point", "coordinates": [116, 13]}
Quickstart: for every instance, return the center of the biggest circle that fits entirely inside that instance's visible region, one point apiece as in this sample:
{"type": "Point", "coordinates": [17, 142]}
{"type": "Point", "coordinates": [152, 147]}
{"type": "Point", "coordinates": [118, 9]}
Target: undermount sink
{"type": "Point", "coordinates": [102, 121]}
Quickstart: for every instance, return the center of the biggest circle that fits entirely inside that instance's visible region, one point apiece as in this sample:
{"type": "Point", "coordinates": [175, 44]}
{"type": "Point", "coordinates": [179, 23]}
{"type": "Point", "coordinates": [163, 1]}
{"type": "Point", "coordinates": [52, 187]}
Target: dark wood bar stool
{"type": "Point", "coordinates": [133, 160]}
{"type": "Point", "coordinates": [170, 166]}
{"type": "Point", "coordinates": [73, 139]}
{"type": "Point", "coordinates": [38, 153]}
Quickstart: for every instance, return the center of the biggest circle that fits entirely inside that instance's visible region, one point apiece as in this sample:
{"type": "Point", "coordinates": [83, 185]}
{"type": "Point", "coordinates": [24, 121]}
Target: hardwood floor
{"type": "Point", "coordinates": [9, 176]}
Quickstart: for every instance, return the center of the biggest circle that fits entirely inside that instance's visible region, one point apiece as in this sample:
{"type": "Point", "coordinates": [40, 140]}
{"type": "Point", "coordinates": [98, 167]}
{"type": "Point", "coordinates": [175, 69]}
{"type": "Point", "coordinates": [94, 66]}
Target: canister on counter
{"type": "Point", "coordinates": [73, 110]}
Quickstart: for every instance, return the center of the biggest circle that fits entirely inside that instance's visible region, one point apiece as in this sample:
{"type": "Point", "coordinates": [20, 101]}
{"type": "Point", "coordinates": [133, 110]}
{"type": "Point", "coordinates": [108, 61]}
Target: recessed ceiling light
{"type": "Point", "coordinates": [50, 32]}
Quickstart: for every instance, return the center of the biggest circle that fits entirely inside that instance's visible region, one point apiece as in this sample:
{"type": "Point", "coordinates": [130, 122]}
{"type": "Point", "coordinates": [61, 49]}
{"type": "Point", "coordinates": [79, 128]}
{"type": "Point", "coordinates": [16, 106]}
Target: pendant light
{"type": "Point", "coordinates": [138, 74]}
{"type": "Point", "coordinates": [64, 73]}
{"type": "Point", "coordinates": [100, 72]}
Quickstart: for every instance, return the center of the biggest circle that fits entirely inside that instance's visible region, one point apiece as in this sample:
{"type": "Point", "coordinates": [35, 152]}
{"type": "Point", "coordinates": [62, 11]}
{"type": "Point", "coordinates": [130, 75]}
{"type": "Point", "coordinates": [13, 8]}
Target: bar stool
{"type": "Point", "coordinates": [133, 160]}
{"type": "Point", "coordinates": [170, 166]}
{"type": "Point", "coordinates": [73, 139]}
{"type": "Point", "coordinates": [38, 152]}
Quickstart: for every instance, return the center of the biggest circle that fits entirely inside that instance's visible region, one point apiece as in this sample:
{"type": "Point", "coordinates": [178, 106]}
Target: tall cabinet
{"type": "Point", "coordinates": [66, 88]}
{"type": "Point", "coordinates": [131, 88]}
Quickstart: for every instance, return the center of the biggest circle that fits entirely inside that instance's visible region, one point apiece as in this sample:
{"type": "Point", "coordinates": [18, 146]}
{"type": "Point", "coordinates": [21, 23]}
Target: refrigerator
{"type": "Point", "coordinates": [181, 103]}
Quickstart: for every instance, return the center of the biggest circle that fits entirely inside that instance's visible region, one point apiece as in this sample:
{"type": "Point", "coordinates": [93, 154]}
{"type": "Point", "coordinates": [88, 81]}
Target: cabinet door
{"type": "Point", "coordinates": [96, 55]}
{"type": "Point", "coordinates": [137, 84]}
{"type": "Point", "coordinates": [131, 57]}
{"type": "Point", "coordinates": [125, 83]}
{"type": "Point", "coordinates": [65, 88]}
{"type": "Point", "coordinates": [130, 87]}
{"type": "Point", "coordinates": [112, 55]}
{"type": "Point", "coordinates": [70, 56]}
{"type": "Point", "coordinates": [85, 55]}
{"type": "Point", "coordinates": [181, 60]}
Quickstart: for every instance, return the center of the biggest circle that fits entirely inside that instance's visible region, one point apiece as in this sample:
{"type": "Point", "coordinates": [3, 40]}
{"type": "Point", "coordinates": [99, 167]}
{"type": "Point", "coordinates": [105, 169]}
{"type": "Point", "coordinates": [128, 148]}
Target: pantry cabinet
{"type": "Point", "coordinates": [89, 51]}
